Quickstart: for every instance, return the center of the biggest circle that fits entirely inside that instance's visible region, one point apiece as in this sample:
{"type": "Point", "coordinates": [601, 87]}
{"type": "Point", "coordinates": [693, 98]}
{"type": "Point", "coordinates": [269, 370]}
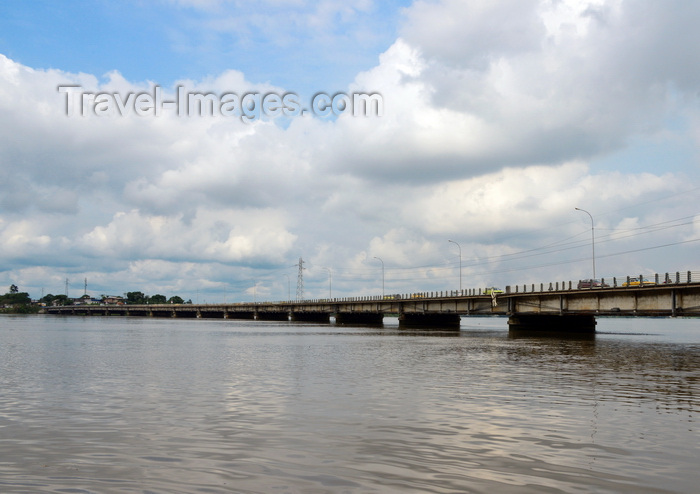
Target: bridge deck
{"type": "Point", "coordinates": [678, 298]}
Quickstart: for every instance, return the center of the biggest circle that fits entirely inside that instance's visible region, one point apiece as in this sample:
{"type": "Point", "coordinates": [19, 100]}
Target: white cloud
{"type": "Point", "coordinates": [496, 115]}
{"type": "Point", "coordinates": [523, 199]}
{"type": "Point", "coordinates": [21, 238]}
{"type": "Point", "coordinates": [227, 236]}
{"type": "Point", "coordinates": [473, 34]}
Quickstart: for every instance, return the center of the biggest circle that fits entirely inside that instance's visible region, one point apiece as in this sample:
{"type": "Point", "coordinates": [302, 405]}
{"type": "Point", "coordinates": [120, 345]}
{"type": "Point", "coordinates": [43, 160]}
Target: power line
{"type": "Point", "coordinates": [430, 271]}
{"type": "Point", "coordinates": [557, 263]}
{"type": "Point", "coordinates": [572, 261]}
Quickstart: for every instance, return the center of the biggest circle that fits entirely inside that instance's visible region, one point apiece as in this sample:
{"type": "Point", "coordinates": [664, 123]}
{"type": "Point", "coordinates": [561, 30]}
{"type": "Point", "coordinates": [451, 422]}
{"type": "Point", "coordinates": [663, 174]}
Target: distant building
{"type": "Point", "coordinates": [86, 300]}
{"type": "Point", "coordinates": [113, 300]}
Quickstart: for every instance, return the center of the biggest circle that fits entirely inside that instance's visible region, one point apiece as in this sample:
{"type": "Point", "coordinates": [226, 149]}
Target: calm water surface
{"type": "Point", "coordinates": [137, 405]}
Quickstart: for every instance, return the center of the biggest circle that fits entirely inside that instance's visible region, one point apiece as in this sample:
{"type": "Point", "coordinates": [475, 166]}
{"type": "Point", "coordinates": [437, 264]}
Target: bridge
{"type": "Point", "coordinates": [562, 307]}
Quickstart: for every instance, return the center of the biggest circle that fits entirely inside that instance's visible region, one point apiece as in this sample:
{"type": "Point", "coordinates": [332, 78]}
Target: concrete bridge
{"type": "Point", "coordinates": [555, 306]}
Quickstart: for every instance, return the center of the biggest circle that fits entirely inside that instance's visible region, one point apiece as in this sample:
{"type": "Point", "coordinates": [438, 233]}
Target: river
{"type": "Point", "coordinates": [167, 406]}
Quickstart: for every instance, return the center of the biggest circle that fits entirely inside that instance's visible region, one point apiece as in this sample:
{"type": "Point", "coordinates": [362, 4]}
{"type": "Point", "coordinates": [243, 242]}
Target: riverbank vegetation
{"type": "Point", "coordinates": [16, 302]}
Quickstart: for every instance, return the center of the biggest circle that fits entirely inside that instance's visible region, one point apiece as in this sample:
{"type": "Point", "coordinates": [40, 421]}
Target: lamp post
{"type": "Point", "coordinates": [330, 280]}
{"type": "Point", "coordinates": [460, 263]}
{"type": "Point", "coordinates": [380, 260]}
{"type": "Point", "coordinates": [592, 237]}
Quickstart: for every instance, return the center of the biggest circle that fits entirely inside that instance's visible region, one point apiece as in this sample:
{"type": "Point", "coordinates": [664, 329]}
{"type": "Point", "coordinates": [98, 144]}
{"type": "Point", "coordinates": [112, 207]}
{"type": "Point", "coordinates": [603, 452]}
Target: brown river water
{"type": "Point", "coordinates": [151, 406]}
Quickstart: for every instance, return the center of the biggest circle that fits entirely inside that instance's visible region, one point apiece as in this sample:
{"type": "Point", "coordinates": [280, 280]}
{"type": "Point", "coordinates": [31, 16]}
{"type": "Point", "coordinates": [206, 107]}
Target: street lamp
{"type": "Point", "coordinates": [330, 278]}
{"type": "Point", "coordinates": [380, 260]}
{"type": "Point", "coordinates": [592, 237]}
{"type": "Point", "coordinates": [460, 263]}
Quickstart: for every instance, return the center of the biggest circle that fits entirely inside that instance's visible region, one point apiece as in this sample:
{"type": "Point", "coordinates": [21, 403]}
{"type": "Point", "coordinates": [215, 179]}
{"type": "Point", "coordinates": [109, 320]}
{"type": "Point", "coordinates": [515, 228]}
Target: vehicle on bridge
{"type": "Point", "coordinates": [638, 282]}
{"type": "Point", "coordinates": [492, 289]}
{"type": "Point", "coordinates": [591, 283]}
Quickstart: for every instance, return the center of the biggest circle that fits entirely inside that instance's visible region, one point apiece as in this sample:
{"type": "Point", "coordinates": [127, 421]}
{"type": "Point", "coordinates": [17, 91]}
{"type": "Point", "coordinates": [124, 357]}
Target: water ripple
{"type": "Point", "coordinates": [152, 406]}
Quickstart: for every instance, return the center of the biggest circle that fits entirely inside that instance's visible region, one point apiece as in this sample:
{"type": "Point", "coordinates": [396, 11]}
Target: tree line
{"type": "Point", "coordinates": [16, 301]}
{"type": "Point", "coordinates": [131, 298]}
{"type": "Point", "coordinates": [140, 298]}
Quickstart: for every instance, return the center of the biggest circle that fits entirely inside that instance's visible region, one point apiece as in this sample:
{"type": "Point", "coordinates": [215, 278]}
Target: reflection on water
{"type": "Point", "coordinates": [553, 335]}
{"type": "Point", "coordinates": [117, 405]}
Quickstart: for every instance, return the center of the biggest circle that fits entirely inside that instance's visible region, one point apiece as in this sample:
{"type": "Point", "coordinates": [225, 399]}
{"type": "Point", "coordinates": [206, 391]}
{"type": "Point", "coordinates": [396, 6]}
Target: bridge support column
{"type": "Point", "coordinates": [359, 318]}
{"type": "Point", "coordinates": [436, 320]}
{"type": "Point", "coordinates": [552, 323]}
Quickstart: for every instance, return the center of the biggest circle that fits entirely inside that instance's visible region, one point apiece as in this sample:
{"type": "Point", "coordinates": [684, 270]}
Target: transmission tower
{"type": "Point", "coordinates": [300, 280]}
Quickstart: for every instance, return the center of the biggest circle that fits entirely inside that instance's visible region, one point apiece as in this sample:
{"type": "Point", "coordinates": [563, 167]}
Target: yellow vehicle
{"type": "Point", "coordinates": [492, 289]}
{"type": "Point", "coordinates": [637, 282]}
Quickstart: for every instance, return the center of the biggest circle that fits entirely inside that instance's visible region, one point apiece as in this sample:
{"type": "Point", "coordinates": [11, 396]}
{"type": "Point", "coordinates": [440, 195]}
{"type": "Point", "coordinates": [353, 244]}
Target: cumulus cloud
{"type": "Point", "coordinates": [554, 80]}
{"type": "Point", "coordinates": [215, 236]}
{"type": "Point", "coordinates": [495, 114]}
{"type": "Point", "coordinates": [524, 199]}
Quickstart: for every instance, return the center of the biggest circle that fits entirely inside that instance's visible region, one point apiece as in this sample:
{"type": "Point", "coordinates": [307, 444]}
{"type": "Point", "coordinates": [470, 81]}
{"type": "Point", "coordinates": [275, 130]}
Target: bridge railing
{"type": "Point", "coordinates": [626, 281]}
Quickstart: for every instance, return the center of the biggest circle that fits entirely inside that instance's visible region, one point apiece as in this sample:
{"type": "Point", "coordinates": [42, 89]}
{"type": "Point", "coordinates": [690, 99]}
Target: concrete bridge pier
{"type": "Point", "coordinates": [374, 318]}
{"type": "Point", "coordinates": [435, 319]}
{"type": "Point", "coordinates": [566, 323]}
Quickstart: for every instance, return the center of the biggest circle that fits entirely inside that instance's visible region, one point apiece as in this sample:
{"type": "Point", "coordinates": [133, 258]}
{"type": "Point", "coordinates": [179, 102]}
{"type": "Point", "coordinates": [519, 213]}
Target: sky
{"type": "Point", "coordinates": [492, 121]}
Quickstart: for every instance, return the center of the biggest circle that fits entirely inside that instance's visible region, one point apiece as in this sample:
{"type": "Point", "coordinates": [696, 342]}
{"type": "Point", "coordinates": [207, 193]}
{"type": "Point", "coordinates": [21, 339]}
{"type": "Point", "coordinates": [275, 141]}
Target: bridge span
{"type": "Point", "coordinates": [554, 307]}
